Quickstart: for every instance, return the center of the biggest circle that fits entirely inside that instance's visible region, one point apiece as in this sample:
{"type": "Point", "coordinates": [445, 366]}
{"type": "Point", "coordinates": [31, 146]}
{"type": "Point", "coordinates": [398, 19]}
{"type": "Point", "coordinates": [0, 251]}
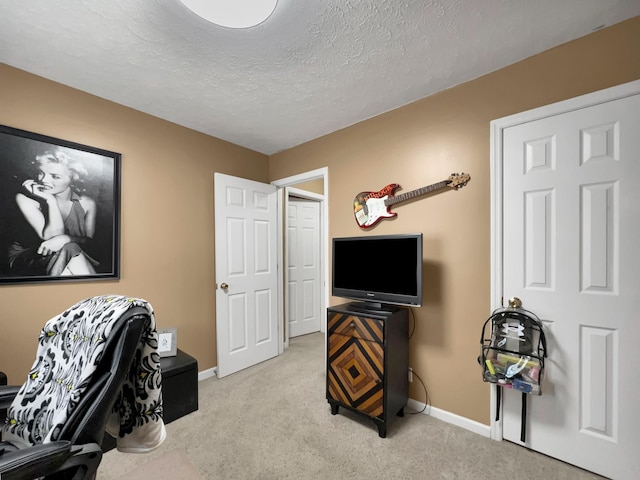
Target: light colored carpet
{"type": "Point", "coordinates": [171, 466]}
{"type": "Point", "coordinates": [272, 422]}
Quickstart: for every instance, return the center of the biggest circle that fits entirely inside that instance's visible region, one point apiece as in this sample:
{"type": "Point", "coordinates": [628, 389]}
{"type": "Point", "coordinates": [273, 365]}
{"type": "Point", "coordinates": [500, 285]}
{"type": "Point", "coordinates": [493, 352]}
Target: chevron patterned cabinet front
{"type": "Point", "coordinates": [368, 363]}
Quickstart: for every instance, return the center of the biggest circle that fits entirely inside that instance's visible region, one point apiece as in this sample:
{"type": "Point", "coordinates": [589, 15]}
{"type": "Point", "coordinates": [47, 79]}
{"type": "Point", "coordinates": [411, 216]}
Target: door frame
{"type": "Point", "coordinates": [282, 184]}
{"type": "Point", "coordinates": [496, 182]}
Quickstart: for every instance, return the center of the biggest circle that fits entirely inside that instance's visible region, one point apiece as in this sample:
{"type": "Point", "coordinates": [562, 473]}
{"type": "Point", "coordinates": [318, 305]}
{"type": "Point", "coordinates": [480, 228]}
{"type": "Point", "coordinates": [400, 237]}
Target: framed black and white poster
{"type": "Point", "coordinates": [59, 209]}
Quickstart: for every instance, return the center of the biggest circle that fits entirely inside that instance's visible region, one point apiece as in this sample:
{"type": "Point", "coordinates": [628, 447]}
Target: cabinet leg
{"type": "Point", "coordinates": [382, 430]}
{"type": "Point", "coordinates": [401, 412]}
{"type": "Point", "coordinates": [334, 409]}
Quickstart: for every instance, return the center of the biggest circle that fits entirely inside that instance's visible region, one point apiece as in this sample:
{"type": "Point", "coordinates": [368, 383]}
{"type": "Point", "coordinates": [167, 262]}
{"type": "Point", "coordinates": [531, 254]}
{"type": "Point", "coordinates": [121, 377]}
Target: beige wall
{"type": "Point", "coordinates": [423, 143]}
{"type": "Point", "coordinates": [167, 202]}
{"type": "Point", "coordinates": [167, 215]}
{"type": "Point", "coordinates": [314, 186]}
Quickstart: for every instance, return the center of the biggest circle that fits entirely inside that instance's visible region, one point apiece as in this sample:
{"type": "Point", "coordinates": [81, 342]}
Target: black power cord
{"type": "Point", "coordinates": [413, 318]}
{"type": "Point", "coordinates": [426, 395]}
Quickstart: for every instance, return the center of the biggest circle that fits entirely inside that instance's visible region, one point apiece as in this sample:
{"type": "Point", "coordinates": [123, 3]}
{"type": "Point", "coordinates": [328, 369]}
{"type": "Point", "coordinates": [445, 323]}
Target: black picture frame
{"type": "Point", "coordinates": [55, 184]}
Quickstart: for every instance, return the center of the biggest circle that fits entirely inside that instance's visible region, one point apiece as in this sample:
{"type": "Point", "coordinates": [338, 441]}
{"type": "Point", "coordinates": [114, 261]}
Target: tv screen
{"type": "Point", "coordinates": [380, 270]}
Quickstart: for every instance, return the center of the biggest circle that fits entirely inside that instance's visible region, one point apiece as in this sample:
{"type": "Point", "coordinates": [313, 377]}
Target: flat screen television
{"type": "Point", "coordinates": [380, 270]}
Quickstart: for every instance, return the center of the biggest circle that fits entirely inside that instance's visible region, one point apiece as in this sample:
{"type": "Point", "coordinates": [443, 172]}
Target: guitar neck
{"type": "Point", "coordinates": [415, 193]}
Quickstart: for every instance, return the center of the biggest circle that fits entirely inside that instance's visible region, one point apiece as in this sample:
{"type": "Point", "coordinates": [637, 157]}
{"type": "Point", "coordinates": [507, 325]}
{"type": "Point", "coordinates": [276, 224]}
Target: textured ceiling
{"type": "Point", "coordinates": [314, 67]}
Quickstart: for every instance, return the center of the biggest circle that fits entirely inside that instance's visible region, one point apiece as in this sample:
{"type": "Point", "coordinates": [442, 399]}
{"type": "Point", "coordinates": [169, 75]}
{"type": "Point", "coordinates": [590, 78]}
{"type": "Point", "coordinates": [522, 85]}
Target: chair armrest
{"type": "Point", "coordinates": [86, 457]}
{"type": "Point", "coordinates": [7, 394]}
{"type": "Point", "coordinates": [34, 462]}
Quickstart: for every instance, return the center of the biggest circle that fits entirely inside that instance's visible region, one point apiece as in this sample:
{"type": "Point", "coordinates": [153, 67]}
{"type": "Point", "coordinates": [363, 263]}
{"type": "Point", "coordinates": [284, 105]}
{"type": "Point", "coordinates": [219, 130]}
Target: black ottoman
{"type": "Point", "coordinates": [179, 385]}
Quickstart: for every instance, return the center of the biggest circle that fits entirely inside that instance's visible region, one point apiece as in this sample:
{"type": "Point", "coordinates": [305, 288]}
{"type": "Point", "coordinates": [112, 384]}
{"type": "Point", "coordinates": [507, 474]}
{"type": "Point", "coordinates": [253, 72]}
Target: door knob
{"type": "Point", "coordinates": [515, 302]}
{"type": "Point", "coordinates": [224, 286]}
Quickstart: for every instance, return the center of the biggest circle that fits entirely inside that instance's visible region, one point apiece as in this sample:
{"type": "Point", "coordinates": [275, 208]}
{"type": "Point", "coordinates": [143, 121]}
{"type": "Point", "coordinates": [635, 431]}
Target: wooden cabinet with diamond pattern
{"type": "Point", "coordinates": [368, 363]}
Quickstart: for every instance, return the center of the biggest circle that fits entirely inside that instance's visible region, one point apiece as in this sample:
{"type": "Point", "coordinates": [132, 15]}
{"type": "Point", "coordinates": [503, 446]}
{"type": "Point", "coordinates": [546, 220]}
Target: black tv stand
{"type": "Point", "coordinates": [372, 307]}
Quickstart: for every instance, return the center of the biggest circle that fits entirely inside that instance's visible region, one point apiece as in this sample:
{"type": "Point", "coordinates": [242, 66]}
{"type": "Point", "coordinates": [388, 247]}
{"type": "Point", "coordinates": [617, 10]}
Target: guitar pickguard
{"type": "Point", "coordinates": [369, 207]}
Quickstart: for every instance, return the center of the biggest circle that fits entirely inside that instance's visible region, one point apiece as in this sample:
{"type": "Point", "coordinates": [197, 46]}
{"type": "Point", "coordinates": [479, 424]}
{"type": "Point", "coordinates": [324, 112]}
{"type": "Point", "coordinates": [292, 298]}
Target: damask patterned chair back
{"type": "Point", "coordinates": [98, 354]}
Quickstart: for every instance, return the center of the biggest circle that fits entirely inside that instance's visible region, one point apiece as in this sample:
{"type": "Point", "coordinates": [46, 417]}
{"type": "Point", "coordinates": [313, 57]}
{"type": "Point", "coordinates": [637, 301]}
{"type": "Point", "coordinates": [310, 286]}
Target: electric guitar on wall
{"type": "Point", "coordinates": [371, 207]}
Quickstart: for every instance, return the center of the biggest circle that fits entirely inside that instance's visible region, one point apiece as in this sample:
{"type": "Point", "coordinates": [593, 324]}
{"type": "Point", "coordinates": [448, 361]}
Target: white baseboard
{"type": "Point", "coordinates": [452, 418]}
{"type": "Point", "coordinates": [208, 373]}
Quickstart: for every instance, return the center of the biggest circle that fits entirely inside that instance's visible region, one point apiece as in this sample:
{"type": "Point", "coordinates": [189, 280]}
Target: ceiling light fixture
{"type": "Point", "coordinates": [232, 13]}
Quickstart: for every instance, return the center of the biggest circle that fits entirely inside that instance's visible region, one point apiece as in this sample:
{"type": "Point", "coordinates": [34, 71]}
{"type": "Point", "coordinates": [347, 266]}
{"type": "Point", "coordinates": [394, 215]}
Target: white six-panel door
{"type": "Point", "coordinates": [304, 287]}
{"type": "Point", "coordinates": [246, 272]}
{"type": "Point", "coordinates": [571, 224]}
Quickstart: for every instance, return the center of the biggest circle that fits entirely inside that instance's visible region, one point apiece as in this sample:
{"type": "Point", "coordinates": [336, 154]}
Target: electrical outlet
{"type": "Point", "coordinates": [410, 374]}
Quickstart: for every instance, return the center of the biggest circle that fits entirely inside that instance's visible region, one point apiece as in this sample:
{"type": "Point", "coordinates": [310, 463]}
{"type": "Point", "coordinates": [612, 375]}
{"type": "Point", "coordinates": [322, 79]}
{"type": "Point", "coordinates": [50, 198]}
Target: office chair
{"type": "Point", "coordinates": [96, 369]}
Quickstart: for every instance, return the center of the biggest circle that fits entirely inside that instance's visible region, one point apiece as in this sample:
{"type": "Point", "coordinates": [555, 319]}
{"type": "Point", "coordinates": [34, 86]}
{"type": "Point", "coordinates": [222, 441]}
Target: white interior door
{"type": "Point", "coordinates": [570, 252]}
{"type": "Point", "coordinates": [246, 273]}
{"type": "Point", "coordinates": [304, 286]}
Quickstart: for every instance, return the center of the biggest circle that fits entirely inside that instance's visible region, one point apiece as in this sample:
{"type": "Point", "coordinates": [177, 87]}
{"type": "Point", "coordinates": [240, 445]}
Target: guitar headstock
{"type": "Point", "coordinates": [458, 180]}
